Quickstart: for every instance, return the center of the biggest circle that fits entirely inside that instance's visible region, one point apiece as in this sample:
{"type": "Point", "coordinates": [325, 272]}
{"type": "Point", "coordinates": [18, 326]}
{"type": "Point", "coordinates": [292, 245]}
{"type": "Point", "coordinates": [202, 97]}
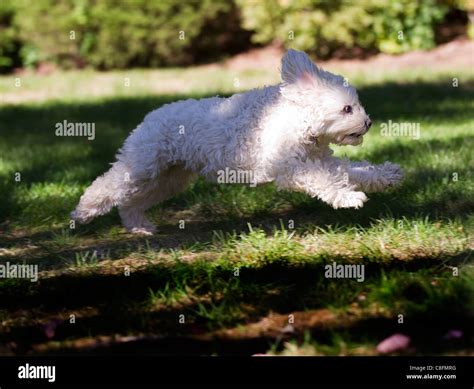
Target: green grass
{"type": "Point", "coordinates": [247, 257]}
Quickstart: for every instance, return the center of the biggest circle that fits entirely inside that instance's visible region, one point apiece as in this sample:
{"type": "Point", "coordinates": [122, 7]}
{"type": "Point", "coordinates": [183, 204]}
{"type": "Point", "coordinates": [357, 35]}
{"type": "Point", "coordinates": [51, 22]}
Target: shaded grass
{"type": "Point", "coordinates": [210, 297]}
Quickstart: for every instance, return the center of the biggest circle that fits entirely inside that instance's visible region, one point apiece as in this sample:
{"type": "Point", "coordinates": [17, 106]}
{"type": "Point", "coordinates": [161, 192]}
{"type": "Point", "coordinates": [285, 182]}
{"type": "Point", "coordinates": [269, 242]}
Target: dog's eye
{"type": "Point", "coordinates": [347, 109]}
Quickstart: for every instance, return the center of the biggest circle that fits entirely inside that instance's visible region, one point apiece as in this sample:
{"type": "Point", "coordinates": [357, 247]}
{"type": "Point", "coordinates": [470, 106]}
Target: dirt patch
{"type": "Point", "coordinates": [456, 54]}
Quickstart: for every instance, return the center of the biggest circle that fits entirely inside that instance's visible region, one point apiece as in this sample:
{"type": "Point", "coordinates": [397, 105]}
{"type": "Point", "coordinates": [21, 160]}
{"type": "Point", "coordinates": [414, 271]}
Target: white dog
{"type": "Point", "coordinates": [279, 133]}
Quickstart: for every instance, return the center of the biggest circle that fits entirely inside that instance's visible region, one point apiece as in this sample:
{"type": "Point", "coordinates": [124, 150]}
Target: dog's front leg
{"type": "Point", "coordinates": [324, 180]}
{"type": "Point", "coordinates": [374, 178]}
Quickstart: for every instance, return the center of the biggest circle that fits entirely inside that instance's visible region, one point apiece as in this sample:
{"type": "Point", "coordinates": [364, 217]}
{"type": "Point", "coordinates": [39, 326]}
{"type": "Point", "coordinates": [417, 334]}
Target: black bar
{"type": "Point", "coordinates": [291, 372]}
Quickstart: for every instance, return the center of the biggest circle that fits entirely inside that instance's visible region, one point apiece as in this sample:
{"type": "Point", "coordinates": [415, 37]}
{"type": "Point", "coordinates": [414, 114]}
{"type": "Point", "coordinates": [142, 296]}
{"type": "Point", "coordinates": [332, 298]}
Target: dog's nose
{"type": "Point", "coordinates": [368, 123]}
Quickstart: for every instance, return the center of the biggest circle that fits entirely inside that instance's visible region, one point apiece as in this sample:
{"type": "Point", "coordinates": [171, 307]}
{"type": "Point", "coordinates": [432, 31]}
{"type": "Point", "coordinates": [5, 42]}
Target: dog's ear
{"type": "Point", "coordinates": [298, 69]}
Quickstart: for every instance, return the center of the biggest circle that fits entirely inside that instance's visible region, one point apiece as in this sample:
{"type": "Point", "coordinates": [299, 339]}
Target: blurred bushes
{"type": "Point", "coordinates": [324, 26]}
{"type": "Point", "coordinates": [119, 34]}
{"type": "Point", "coordinates": [110, 34]}
{"type": "Point", "coordinates": [9, 42]}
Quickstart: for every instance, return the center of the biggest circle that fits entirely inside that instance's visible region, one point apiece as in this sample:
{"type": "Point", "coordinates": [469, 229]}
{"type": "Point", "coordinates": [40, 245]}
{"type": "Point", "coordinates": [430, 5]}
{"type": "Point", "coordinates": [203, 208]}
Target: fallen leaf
{"type": "Point", "coordinates": [453, 334]}
{"type": "Point", "coordinates": [393, 343]}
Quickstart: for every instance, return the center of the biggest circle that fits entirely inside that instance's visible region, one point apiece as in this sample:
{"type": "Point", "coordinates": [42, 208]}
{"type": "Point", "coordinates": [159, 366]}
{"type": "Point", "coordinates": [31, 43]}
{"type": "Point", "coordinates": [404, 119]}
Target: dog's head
{"type": "Point", "coordinates": [336, 114]}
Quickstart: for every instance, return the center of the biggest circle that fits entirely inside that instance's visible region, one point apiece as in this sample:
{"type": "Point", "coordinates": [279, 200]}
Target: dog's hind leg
{"type": "Point", "coordinates": [167, 184]}
{"type": "Point", "coordinates": [132, 211]}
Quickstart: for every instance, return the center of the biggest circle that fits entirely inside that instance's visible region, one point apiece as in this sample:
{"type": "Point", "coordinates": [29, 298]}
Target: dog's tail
{"type": "Point", "coordinates": [102, 195]}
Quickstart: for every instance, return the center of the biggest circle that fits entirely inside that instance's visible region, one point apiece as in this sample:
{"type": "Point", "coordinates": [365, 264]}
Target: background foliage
{"type": "Point", "coordinates": [322, 26]}
{"type": "Point", "coordinates": [119, 34]}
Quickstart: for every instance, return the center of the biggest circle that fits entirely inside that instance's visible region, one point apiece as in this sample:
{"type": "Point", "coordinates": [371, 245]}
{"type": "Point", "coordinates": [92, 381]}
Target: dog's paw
{"type": "Point", "coordinates": [143, 230]}
{"type": "Point", "coordinates": [391, 174]}
{"type": "Point", "coordinates": [350, 199]}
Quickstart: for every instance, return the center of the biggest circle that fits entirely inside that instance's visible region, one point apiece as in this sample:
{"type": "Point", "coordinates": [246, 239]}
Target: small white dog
{"type": "Point", "coordinates": [279, 133]}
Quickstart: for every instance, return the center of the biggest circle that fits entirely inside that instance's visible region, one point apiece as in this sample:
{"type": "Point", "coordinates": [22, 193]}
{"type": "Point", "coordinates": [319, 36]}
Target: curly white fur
{"type": "Point", "coordinates": [280, 133]}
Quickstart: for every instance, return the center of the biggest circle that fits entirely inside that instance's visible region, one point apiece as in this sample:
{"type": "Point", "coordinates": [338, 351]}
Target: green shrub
{"type": "Point", "coordinates": [322, 27]}
{"type": "Point", "coordinates": [118, 34]}
{"type": "Point", "coordinates": [45, 26]}
{"type": "Point", "coordinates": [150, 33]}
{"type": "Point", "coordinates": [9, 43]}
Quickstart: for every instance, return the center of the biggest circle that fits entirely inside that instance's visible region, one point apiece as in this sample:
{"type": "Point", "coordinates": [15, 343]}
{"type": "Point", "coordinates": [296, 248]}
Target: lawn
{"type": "Point", "coordinates": [234, 269]}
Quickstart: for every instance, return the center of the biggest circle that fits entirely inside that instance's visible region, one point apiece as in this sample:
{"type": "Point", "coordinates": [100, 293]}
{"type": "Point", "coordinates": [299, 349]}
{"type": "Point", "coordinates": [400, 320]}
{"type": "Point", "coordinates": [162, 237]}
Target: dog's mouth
{"type": "Point", "coordinates": [354, 138]}
{"type": "Point", "coordinates": [355, 134]}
